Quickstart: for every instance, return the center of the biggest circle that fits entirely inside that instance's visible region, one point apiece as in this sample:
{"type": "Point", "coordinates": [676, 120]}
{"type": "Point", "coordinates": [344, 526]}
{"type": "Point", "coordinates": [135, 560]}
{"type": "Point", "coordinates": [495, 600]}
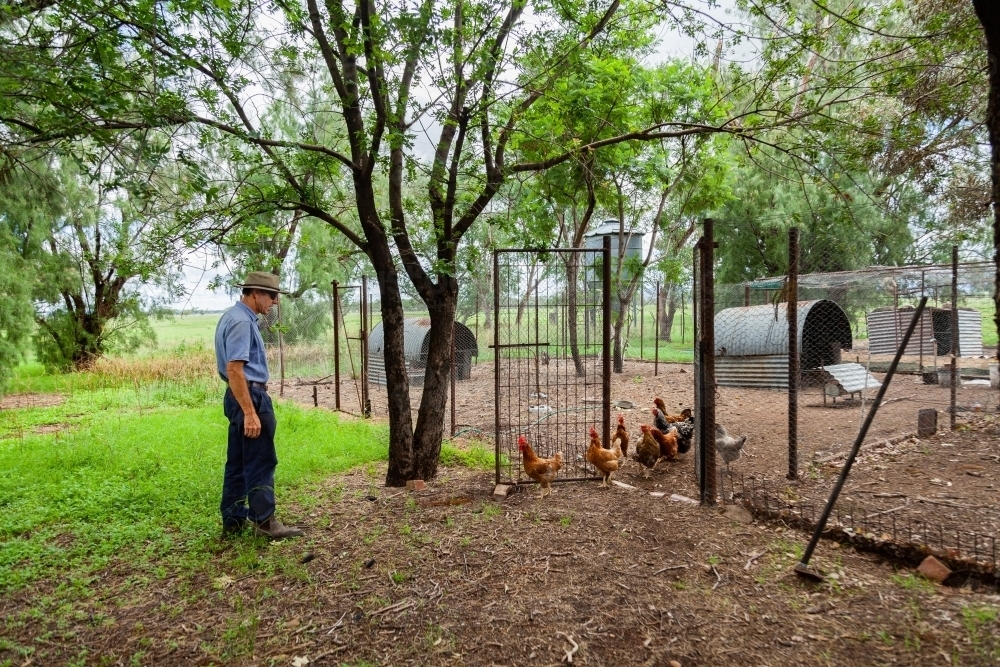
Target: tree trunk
{"type": "Point", "coordinates": [437, 380]}
{"type": "Point", "coordinates": [397, 383]}
{"type": "Point", "coordinates": [618, 347]}
{"type": "Point", "coordinates": [532, 283]}
{"type": "Point", "coordinates": [667, 314]}
{"type": "Point", "coordinates": [989, 16]}
{"type": "Point", "coordinates": [572, 311]}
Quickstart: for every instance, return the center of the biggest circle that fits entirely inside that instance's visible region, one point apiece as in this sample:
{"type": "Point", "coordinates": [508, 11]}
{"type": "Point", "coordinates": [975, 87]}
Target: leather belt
{"type": "Point", "coordinates": [251, 384]}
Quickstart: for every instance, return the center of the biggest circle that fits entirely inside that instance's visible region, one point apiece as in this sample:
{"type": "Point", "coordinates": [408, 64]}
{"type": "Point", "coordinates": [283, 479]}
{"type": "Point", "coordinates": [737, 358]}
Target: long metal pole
{"type": "Point", "coordinates": [642, 315]}
{"type": "Point", "coordinates": [281, 355]}
{"type": "Point", "coordinates": [606, 342]}
{"type": "Point", "coordinates": [922, 285]}
{"type": "Point", "coordinates": [708, 340]}
{"type": "Point", "coordinates": [656, 344]}
{"type": "Point", "coordinates": [452, 388]}
{"type": "Point", "coordinates": [793, 352]}
{"type": "Point", "coordinates": [954, 336]}
{"type": "Point", "coordinates": [366, 404]}
{"type": "Point", "coordinates": [496, 362]}
{"type": "Point", "coordinates": [336, 343]}
{"type": "Point", "coordinates": [860, 439]}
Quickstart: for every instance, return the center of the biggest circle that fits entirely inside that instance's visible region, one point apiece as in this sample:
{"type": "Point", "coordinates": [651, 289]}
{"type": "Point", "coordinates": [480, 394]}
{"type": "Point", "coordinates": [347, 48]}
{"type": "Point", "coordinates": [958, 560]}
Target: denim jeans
{"type": "Point", "coordinates": [248, 485]}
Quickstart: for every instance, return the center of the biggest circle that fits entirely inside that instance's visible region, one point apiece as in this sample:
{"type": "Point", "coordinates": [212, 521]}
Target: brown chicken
{"type": "Point", "coordinates": [666, 441]}
{"type": "Point", "coordinates": [647, 452]}
{"type": "Point", "coordinates": [542, 471]}
{"type": "Point", "coordinates": [621, 435]}
{"type": "Point", "coordinates": [605, 460]}
{"type": "Point", "coordinates": [685, 414]}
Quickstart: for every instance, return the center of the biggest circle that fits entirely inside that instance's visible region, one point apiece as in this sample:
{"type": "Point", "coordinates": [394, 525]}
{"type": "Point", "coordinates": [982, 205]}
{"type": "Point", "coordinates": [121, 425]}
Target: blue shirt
{"type": "Point", "coordinates": [237, 338]}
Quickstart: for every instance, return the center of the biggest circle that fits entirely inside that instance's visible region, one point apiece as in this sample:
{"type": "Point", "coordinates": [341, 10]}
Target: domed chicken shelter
{"type": "Point", "coordinates": [416, 345]}
{"type": "Point", "coordinates": [751, 343]}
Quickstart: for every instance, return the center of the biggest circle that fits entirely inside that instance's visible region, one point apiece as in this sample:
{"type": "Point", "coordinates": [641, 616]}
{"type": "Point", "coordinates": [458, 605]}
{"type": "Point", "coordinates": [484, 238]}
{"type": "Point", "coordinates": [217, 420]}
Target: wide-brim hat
{"type": "Point", "coordinates": [262, 280]}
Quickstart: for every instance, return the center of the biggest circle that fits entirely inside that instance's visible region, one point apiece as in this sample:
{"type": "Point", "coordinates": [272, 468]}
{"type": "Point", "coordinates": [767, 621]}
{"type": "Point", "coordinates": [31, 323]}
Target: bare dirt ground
{"type": "Point", "coordinates": [451, 576]}
{"type": "Point", "coordinates": [951, 479]}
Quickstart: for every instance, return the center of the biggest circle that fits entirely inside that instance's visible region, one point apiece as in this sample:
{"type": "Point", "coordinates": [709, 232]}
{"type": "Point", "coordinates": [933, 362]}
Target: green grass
{"type": "Point", "coordinates": [179, 330]}
{"type": "Point", "coordinates": [481, 457]}
{"type": "Point", "coordinates": [136, 474]}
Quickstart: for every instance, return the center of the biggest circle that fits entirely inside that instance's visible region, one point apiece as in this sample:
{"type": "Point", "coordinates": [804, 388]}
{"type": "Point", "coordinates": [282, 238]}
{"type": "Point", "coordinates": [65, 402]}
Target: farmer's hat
{"type": "Point", "coordinates": [263, 280]}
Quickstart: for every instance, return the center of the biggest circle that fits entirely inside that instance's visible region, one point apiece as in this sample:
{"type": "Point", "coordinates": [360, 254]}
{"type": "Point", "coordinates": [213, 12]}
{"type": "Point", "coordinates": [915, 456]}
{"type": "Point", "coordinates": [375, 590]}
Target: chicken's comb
{"type": "Point", "coordinates": [521, 440]}
{"type": "Point", "coordinates": [621, 419]}
{"type": "Point", "coordinates": [593, 431]}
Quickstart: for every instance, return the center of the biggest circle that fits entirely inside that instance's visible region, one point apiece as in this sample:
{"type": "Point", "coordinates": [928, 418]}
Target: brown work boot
{"type": "Point", "coordinates": [274, 530]}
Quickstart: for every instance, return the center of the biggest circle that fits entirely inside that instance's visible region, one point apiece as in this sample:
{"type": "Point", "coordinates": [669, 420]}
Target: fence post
{"type": "Point", "coordinates": [452, 381]}
{"type": "Point", "coordinates": [281, 356]}
{"type": "Point", "coordinates": [793, 353]}
{"type": "Point", "coordinates": [496, 361]}
{"type": "Point", "coordinates": [336, 343]}
{"type": "Point", "coordinates": [656, 345]}
{"type": "Point", "coordinates": [606, 342]}
{"type": "Point", "coordinates": [366, 404]}
{"type": "Point", "coordinates": [954, 335]}
{"type": "Point", "coordinates": [698, 361]}
{"type": "Point", "coordinates": [708, 365]}
{"type": "Point", "coordinates": [642, 315]}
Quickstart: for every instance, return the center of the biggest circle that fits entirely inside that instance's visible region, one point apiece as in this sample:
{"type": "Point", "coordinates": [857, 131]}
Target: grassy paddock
{"type": "Point", "coordinates": [133, 469]}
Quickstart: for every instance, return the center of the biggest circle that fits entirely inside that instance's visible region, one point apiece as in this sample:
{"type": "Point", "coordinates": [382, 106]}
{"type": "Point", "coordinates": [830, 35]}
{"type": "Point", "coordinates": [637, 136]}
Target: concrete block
{"type": "Point", "coordinates": [926, 422]}
{"type": "Point", "coordinates": [501, 491]}
{"type": "Point", "coordinates": [934, 569]}
{"type": "Point", "coordinates": [415, 485]}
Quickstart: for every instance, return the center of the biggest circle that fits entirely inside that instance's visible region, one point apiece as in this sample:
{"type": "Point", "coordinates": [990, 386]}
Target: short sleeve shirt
{"type": "Point", "coordinates": [237, 338]}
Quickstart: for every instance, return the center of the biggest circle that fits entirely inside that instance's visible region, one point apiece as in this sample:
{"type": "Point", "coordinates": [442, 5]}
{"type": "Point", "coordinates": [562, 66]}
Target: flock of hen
{"type": "Point", "coordinates": [669, 436]}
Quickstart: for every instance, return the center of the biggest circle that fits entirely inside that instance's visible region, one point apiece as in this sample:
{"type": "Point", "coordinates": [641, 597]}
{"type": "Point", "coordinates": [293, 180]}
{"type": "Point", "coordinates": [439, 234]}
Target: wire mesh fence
{"type": "Point", "coordinates": [552, 357]}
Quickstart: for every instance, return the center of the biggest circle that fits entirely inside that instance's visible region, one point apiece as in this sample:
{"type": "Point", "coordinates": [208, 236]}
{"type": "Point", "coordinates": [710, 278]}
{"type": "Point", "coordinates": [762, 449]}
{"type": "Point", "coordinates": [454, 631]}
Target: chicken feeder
{"type": "Point", "coordinates": [416, 345]}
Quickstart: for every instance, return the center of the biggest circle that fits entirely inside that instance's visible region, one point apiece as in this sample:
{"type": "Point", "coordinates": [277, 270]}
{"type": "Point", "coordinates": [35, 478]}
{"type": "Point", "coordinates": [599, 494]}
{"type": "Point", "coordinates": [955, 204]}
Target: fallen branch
{"type": "Point", "coordinates": [717, 577]}
{"type": "Point", "coordinates": [888, 495]}
{"type": "Point", "coordinates": [906, 504]}
{"type": "Point", "coordinates": [670, 567]}
{"type": "Point", "coordinates": [398, 606]}
{"type": "Point", "coordinates": [754, 557]}
{"type": "Point", "coordinates": [569, 654]}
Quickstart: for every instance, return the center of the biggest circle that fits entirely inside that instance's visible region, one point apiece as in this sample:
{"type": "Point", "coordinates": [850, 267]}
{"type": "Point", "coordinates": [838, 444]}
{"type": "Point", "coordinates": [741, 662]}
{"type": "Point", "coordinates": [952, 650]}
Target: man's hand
{"type": "Point", "coordinates": [238, 385]}
{"type": "Point", "coordinates": [251, 424]}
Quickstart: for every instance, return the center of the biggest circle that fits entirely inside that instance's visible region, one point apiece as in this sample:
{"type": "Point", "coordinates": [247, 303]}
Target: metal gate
{"type": "Point", "coordinates": [552, 351]}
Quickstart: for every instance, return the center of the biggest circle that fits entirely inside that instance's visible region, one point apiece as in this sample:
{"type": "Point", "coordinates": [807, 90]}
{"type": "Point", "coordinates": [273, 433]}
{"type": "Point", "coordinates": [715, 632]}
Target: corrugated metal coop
{"type": "Point", "coordinates": [416, 344]}
{"type": "Point", "coordinates": [886, 327]}
{"type": "Point", "coordinates": [751, 343]}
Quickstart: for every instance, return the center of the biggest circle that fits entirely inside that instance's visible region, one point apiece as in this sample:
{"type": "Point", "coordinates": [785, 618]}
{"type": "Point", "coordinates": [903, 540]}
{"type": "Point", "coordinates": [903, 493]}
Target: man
{"type": "Point", "coordinates": [248, 485]}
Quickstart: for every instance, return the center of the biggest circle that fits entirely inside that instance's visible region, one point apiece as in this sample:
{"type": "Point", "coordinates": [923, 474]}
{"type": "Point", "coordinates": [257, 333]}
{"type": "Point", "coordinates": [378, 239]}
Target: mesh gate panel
{"type": "Point", "coordinates": [551, 355]}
